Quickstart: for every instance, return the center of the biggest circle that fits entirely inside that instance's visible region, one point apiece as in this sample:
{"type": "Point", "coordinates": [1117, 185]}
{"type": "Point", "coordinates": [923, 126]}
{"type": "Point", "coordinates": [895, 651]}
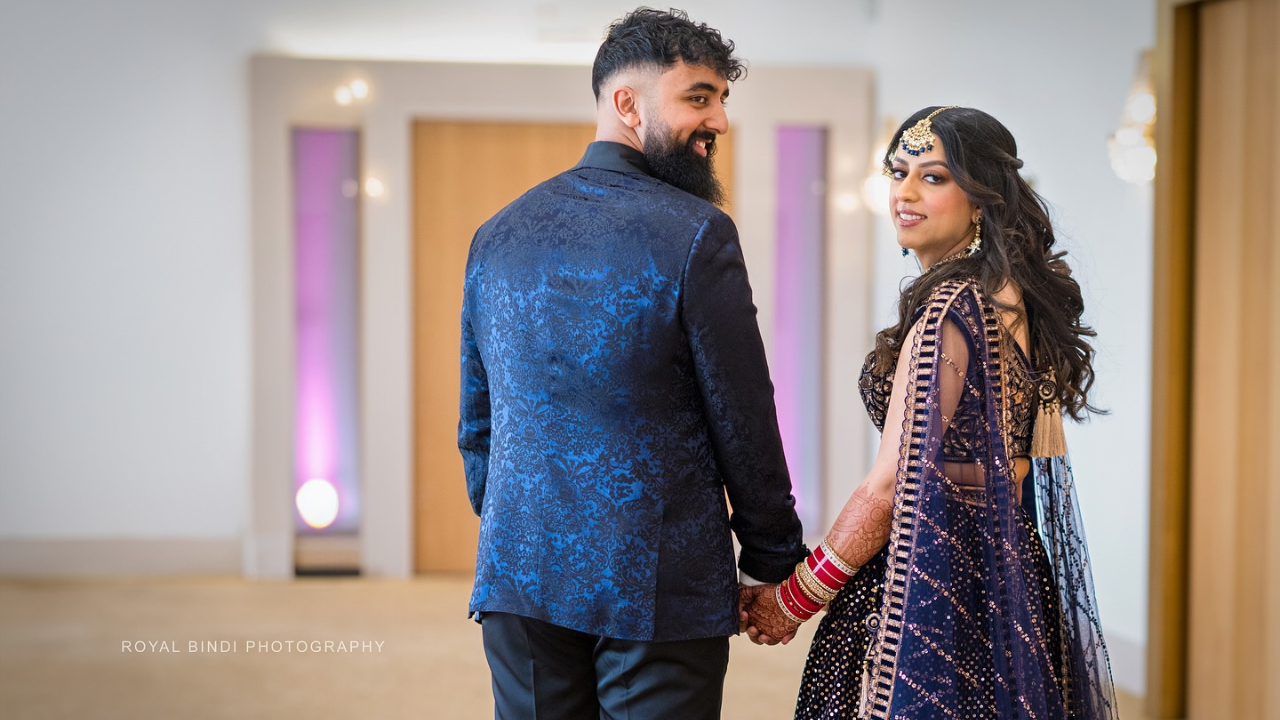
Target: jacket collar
{"type": "Point", "coordinates": [614, 156]}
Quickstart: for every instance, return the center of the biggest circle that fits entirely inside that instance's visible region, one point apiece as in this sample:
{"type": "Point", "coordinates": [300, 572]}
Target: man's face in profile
{"type": "Point", "coordinates": [684, 112]}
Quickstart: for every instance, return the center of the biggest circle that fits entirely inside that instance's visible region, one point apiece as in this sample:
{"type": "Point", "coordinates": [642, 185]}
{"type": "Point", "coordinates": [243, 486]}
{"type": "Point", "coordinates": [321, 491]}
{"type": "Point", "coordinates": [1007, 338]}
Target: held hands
{"type": "Point", "coordinates": [771, 614]}
{"type": "Point", "coordinates": [761, 618]}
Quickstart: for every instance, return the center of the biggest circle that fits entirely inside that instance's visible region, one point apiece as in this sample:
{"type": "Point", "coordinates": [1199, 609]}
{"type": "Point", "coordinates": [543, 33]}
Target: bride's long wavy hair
{"type": "Point", "coordinates": [1017, 245]}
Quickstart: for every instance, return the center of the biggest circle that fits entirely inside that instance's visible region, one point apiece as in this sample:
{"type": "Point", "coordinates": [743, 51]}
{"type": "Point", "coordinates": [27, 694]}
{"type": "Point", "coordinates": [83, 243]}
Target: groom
{"type": "Point", "coordinates": [614, 387]}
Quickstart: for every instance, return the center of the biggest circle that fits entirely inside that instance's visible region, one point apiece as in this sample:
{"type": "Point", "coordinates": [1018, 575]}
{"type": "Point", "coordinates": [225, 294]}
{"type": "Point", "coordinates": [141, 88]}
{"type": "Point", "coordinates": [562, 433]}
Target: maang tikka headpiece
{"type": "Point", "coordinates": [919, 137]}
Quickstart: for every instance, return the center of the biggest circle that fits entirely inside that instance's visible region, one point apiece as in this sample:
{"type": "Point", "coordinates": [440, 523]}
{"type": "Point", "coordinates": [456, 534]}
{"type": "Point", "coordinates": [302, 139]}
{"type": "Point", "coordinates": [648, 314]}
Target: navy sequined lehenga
{"type": "Point", "coordinates": [971, 610]}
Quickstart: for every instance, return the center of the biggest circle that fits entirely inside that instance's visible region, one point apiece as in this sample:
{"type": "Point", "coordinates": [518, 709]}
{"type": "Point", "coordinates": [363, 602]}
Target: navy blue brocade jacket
{"type": "Point", "coordinates": [613, 387]}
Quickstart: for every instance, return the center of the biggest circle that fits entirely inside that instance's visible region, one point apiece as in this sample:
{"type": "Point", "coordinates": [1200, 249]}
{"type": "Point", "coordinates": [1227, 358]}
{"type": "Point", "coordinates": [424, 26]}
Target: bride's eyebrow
{"type": "Point", "coordinates": [930, 163]}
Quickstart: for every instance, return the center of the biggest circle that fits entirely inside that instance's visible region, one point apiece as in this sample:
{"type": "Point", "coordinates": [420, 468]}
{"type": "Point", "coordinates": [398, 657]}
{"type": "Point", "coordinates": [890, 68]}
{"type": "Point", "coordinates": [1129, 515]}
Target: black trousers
{"type": "Point", "coordinates": [545, 672]}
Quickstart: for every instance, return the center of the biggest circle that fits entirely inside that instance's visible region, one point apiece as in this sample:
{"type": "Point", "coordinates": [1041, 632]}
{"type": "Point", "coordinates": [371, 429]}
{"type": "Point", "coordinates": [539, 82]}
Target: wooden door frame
{"type": "Point", "coordinates": [1176, 68]}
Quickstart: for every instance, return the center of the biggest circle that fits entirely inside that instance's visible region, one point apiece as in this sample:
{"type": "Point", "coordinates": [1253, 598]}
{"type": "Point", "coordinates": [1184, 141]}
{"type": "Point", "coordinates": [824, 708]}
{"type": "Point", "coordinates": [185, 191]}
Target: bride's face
{"type": "Point", "coordinates": [934, 218]}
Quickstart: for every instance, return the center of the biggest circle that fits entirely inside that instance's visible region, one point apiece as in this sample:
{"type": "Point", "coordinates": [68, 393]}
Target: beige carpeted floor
{"type": "Point", "coordinates": [146, 649]}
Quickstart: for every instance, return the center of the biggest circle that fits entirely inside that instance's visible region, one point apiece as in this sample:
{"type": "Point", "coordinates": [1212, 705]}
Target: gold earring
{"type": "Point", "coordinates": [976, 244]}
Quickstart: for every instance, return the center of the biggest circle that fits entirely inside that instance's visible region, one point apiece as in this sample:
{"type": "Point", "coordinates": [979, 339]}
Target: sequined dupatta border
{"type": "Point", "coordinates": [911, 466]}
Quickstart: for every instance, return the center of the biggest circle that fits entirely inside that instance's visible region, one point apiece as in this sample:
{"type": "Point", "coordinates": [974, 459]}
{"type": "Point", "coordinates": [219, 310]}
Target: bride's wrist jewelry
{"type": "Point", "coordinates": [789, 605]}
{"type": "Point", "coordinates": [815, 582]}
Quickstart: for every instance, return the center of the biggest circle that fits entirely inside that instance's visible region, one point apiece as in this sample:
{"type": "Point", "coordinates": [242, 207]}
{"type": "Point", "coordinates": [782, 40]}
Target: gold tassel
{"type": "Point", "coordinates": [866, 690]}
{"type": "Point", "coordinates": [1048, 440]}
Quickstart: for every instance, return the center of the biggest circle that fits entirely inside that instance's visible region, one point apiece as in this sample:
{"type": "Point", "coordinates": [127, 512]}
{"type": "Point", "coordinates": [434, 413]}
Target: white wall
{"type": "Point", "coordinates": [123, 271]}
{"type": "Point", "coordinates": [124, 250]}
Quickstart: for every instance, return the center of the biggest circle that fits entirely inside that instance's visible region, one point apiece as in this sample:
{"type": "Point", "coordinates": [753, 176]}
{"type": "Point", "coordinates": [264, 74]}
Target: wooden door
{"type": "Point", "coordinates": [463, 173]}
{"type": "Point", "coordinates": [1234, 599]}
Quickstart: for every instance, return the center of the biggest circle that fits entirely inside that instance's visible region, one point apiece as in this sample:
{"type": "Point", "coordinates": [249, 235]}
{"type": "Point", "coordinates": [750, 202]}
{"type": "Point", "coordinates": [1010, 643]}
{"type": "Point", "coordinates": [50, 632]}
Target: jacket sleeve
{"type": "Point", "coordinates": [473, 414]}
{"type": "Point", "coordinates": [728, 354]}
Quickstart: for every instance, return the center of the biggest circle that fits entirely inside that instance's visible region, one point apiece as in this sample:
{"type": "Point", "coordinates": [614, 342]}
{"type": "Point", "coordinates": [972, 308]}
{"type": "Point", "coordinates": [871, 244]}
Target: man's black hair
{"type": "Point", "coordinates": [648, 37]}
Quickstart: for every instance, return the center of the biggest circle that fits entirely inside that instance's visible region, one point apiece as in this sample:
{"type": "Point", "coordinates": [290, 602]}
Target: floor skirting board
{"type": "Point", "coordinates": [107, 557]}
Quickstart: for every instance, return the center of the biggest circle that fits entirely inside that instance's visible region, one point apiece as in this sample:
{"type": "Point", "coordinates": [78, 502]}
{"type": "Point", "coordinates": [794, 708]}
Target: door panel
{"type": "Point", "coordinates": [1234, 599]}
{"type": "Point", "coordinates": [464, 172]}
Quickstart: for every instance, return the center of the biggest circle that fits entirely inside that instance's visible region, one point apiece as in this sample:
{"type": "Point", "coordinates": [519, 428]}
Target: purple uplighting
{"type": "Point", "coordinates": [799, 302]}
{"type": "Point", "coordinates": [326, 266]}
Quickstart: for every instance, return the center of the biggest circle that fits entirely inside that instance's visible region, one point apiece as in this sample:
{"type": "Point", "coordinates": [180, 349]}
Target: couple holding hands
{"type": "Point", "coordinates": [614, 390]}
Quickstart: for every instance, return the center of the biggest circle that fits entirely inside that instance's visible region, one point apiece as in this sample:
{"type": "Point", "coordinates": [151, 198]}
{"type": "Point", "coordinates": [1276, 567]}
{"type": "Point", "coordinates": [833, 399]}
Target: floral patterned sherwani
{"type": "Point", "coordinates": [614, 387]}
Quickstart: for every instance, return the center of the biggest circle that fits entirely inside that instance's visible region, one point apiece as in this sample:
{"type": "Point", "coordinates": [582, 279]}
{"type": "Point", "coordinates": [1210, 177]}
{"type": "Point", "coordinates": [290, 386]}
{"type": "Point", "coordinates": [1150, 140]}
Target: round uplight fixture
{"type": "Point", "coordinates": [317, 503]}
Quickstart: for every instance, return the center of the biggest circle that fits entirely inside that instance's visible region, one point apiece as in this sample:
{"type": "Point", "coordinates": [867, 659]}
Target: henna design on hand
{"type": "Point", "coordinates": [768, 618]}
{"type": "Point", "coordinates": [862, 528]}
{"type": "Point", "coordinates": [747, 595]}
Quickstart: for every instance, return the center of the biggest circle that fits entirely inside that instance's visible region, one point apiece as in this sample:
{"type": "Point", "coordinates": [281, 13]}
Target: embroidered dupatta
{"type": "Point", "coordinates": [975, 621]}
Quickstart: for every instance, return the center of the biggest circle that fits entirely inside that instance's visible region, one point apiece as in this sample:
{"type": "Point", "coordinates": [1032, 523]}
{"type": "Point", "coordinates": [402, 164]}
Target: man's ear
{"type": "Point", "coordinates": [626, 103]}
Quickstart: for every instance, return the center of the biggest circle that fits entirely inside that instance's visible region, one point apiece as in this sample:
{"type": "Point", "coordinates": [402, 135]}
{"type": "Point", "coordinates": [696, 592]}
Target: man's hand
{"type": "Point", "coordinates": [759, 614]}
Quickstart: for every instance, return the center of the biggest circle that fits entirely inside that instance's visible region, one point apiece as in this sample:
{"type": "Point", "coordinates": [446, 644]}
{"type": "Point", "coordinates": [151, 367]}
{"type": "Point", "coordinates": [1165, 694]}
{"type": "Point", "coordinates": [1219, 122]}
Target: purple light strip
{"type": "Point", "coordinates": [799, 301]}
{"type": "Point", "coordinates": [326, 238]}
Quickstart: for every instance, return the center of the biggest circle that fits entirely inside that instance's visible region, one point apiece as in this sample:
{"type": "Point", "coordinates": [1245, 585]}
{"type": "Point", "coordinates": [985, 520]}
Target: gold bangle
{"type": "Point", "coordinates": [803, 583]}
{"type": "Point", "coordinates": [810, 592]}
{"type": "Point", "coordinates": [812, 586]}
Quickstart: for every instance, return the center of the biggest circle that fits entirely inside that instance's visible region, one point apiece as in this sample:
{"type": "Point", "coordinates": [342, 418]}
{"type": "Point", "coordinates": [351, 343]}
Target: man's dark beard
{"type": "Point", "coordinates": [678, 164]}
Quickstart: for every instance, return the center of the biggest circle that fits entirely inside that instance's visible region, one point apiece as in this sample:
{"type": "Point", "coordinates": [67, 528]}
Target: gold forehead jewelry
{"type": "Point", "coordinates": [919, 137]}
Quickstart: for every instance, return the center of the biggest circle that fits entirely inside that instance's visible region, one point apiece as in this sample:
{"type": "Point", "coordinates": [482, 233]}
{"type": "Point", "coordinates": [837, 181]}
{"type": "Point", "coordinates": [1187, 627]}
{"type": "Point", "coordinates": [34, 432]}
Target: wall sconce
{"type": "Point", "coordinates": [346, 95]}
{"type": "Point", "coordinates": [1133, 145]}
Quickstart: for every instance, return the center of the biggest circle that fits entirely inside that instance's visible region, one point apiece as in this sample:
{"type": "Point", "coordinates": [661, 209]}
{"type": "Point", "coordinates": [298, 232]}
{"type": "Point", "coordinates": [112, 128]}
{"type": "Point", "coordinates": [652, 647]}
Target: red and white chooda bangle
{"type": "Point", "coordinates": [816, 580]}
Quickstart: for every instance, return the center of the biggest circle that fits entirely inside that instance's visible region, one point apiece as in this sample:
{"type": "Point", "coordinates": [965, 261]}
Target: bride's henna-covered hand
{"type": "Point", "coordinates": [746, 595]}
{"type": "Point", "coordinates": [858, 534]}
{"type": "Point", "coordinates": [862, 528]}
{"type": "Point", "coordinates": [767, 623]}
